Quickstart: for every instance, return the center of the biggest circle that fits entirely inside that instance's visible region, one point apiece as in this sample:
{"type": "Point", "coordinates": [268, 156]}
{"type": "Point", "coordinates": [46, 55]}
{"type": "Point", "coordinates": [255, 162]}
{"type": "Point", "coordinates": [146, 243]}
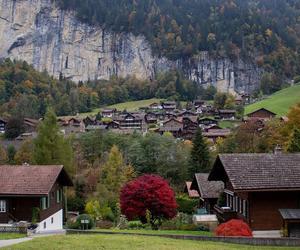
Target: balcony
{"type": "Point", "coordinates": [225, 213]}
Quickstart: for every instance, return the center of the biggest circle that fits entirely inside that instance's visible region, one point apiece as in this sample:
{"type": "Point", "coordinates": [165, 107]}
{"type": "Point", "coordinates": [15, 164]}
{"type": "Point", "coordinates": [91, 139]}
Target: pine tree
{"type": "Point", "coordinates": [294, 143]}
{"type": "Point", "coordinates": [200, 157]}
{"type": "Point", "coordinates": [50, 147]}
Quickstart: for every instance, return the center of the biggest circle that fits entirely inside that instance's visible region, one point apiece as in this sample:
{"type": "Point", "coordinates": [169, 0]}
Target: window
{"type": "Point", "coordinates": [45, 225]}
{"type": "Point", "coordinates": [2, 206]}
{"type": "Point", "coordinates": [45, 203]}
{"type": "Point", "coordinates": [52, 220]}
{"type": "Point", "coordinates": [58, 195]}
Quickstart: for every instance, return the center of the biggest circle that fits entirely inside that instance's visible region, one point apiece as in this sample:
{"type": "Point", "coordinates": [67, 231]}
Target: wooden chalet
{"type": "Point", "coordinates": [190, 126]}
{"type": "Point", "coordinates": [258, 187]}
{"type": "Point", "coordinates": [89, 121]}
{"type": "Point", "coordinates": [151, 118]}
{"type": "Point", "coordinates": [169, 106]}
{"type": "Point", "coordinates": [213, 134]}
{"type": "Point", "coordinates": [71, 126]}
{"type": "Point", "coordinates": [3, 123]}
{"type": "Point", "coordinates": [30, 125]}
{"type": "Point", "coordinates": [227, 114]}
{"type": "Point", "coordinates": [108, 113]}
{"type": "Point", "coordinates": [209, 191]}
{"type": "Point", "coordinates": [155, 106]}
{"type": "Point", "coordinates": [26, 190]}
{"type": "Point", "coordinates": [173, 126]}
{"type": "Point", "coordinates": [262, 113]}
{"type": "Point", "coordinates": [207, 121]}
{"type": "Point", "coordinates": [131, 121]}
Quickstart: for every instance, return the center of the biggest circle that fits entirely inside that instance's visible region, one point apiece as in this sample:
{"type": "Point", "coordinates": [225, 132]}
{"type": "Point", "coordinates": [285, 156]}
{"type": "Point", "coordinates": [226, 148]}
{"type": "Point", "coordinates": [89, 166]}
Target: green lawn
{"type": "Point", "coordinates": [125, 242]}
{"type": "Point", "coordinates": [279, 102]}
{"type": "Point", "coordinates": [229, 124]}
{"type": "Point", "coordinates": [8, 236]}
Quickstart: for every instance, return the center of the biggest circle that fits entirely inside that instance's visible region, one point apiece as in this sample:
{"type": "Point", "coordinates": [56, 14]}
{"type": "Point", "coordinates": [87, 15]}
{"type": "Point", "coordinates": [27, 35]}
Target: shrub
{"type": "Point", "coordinates": [234, 228]}
{"type": "Point", "coordinates": [81, 217]}
{"type": "Point", "coordinates": [136, 225]}
{"type": "Point", "coordinates": [104, 224]}
{"type": "Point", "coordinates": [186, 204]}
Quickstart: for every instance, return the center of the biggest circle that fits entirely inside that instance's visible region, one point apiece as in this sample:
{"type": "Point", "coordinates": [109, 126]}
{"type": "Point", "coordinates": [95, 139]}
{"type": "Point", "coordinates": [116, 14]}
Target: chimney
{"type": "Point", "coordinates": [278, 150]}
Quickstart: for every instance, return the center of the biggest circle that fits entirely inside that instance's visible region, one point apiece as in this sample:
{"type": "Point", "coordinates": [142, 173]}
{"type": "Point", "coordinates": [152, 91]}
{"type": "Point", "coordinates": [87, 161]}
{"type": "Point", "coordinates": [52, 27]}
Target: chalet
{"type": "Point", "coordinates": [131, 121]}
{"type": "Point", "coordinates": [151, 118]}
{"type": "Point", "coordinates": [258, 187]}
{"type": "Point", "coordinates": [170, 115]}
{"type": "Point", "coordinates": [239, 100]}
{"type": "Point", "coordinates": [213, 134]}
{"type": "Point", "coordinates": [26, 190]}
{"type": "Point", "coordinates": [209, 191]}
{"type": "Point", "coordinates": [89, 121]}
{"type": "Point", "coordinates": [72, 125]}
{"type": "Point", "coordinates": [155, 106]}
{"type": "Point", "coordinates": [190, 126]}
{"type": "Point", "coordinates": [2, 125]}
{"type": "Point", "coordinates": [187, 113]}
{"type": "Point", "coordinates": [207, 121]}
{"type": "Point", "coordinates": [169, 106]}
{"type": "Point", "coordinates": [108, 113]}
{"type": "Point", "coordinates": [113, 125]}
{"type": "Point", "coordinates": [262, 113]}
{"type": "Point", "coordinates": [227, 114]}
{"type": "Point", "coordinates": [191, 193]}
{"type": "Point", "coordinates": [198, 103]}
{"type": "Point", "coordinates": [173, 126]}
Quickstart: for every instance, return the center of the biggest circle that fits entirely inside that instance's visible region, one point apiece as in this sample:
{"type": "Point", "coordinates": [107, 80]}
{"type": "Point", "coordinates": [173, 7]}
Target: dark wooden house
{"type": "Point", "coordinates": [25, 189]}
{"type": "Point", "coordinates": [173, 126]}
{"type": "Point", "coordinates": [2, 125]}
{"type": "Point", "coordinates": [227, 114]}
{"type": "Point", "coordinates": [209, 191]}
{"type": "Point", "coordinates": [262, 113]}
{"type": "Point", "coordinates": [257, 186]}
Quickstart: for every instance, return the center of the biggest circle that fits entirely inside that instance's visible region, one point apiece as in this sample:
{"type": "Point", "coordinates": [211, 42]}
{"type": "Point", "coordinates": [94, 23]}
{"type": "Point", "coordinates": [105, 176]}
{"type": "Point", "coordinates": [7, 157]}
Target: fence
{"type": "Point", "coordinates": [13, 229]}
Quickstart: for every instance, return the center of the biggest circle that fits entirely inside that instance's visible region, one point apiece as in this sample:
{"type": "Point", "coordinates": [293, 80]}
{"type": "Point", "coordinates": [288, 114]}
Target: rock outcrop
{"type": "Point", "coordinates": [54, 40]}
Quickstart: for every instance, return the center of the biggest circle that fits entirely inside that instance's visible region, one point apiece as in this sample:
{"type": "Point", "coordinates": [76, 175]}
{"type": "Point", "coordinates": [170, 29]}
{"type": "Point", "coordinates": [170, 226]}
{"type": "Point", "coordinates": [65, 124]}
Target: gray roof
{"type": "Point", "coordinates": [258, 171]}
{"type": "Point", "coordinates": [208, 189]}
{"type": "Point", "coordinates": [290, 214]}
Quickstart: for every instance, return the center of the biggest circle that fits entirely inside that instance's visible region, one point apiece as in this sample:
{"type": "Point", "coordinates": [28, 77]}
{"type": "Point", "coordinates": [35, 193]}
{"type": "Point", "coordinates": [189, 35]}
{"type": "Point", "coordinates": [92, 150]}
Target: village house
{"type": "Point", "coordinates": [89, 121]}
{"type": "Point", "coordinates": [206, 121]}
{"type": "Point", "coordinates": [259, 189]}
{"type": "Point", "coordinates": [108, 113]}
{"type": "Point", "coordinates": [209, 191]}
{"type": "Point", "coordinates": [30, 125]}
{"type": "Point", "coordinates": [33, 193]}
{"type": "Point", "coordinates": [198, 103]}
{"type": "Point", "coordinates": [227, 114]}
{"type": "Point", "coordinates": [213, 134]}
{"type": "Point", "coordinates": [155, 106]}
{"type": "Point", "coordinates": [71, 125]}
{"type": "Point", "coordinates": [173, 126]}
{"type": "Point", "coordinates": [131, 121]}
{"type": "Point", "coordinates": [193, 194]}
{"type": "Point", "coordinates": [169, 106]}
{"type": "Point", "coordinates": [261, 113]}
{"type": "Point", "coordinates": [151, 118]}
{"type": "Point", "coordinates": [3, 123]}
{"type": "Point", "coordinates": [190, 126]}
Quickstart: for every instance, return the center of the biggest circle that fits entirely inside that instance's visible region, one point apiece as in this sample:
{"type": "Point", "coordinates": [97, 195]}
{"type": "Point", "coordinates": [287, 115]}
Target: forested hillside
{"type": "Point", "coordinates": [265, 30]}
{"type": "Point", "coordinates": [25, 92]}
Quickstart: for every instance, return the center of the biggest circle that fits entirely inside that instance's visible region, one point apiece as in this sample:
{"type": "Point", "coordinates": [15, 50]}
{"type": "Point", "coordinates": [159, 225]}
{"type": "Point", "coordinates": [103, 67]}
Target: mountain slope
{"type": "Point", "coordinates": [279, 102]}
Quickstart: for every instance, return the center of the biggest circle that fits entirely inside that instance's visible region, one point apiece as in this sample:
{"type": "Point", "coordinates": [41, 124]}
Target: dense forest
{"type": "Point", "coordinates": [25, 92]}
{"type": "Point", "coordinates": [265, 30]}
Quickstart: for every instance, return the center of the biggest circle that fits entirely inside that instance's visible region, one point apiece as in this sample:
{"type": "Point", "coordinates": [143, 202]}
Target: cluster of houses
{"type": "Point", "coordinates": [260, 189]}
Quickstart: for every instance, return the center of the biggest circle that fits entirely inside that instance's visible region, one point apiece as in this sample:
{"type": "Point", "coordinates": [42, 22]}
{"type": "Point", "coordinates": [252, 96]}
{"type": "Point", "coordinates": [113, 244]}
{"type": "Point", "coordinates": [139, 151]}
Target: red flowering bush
{"type": "Point", "coordinates": [148, 193]}
{"type": "Point", "coordinates": [234, 228]}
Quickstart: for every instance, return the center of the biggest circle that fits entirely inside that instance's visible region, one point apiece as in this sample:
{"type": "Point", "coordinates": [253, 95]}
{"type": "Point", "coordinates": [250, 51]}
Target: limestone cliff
{"type": "Point", "coordinates": [54, 40]}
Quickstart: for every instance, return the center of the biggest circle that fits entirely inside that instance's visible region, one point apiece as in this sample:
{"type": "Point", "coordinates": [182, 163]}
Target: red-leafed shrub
{"type": "Point", "coordinates": [234, 228]}
{"type": "Point", "coordinates": [148, 192]}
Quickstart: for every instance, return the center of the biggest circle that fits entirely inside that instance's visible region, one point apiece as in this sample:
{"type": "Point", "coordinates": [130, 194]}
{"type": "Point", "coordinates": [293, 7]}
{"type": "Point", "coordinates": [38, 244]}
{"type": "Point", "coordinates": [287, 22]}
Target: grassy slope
{"type": "Point", "coordinates": [180, 232]}
{"type": "Point", "coordinates": [8, 236]}
{"type": "Point", "coordinates": [122, 242]}
{"type": "Point", "coordinates": [279, 102]}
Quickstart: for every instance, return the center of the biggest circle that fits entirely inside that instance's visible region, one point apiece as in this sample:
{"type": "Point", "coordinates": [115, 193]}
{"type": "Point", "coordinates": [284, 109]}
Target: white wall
{"type": "Point", "coordinates": [54, 222]}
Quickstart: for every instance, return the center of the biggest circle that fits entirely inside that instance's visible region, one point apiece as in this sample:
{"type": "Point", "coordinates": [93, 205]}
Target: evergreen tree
{"type": "Point", "coordinates": [50, 147]}
{"type": "Point", "coordinates": [11, 152]}
{"type": "Point", "coordinates": [200, 158]}
{"type": "Point", "coordinates": [294, 143]}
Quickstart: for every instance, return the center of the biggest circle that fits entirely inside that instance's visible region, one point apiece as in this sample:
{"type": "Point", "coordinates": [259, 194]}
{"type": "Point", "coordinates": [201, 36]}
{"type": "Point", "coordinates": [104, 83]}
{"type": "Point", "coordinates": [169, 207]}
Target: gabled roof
{"type": "Point", "coordinates": [262, 109]}
{"type": "Point", "coordinates": [31, 180]}
{"type": "Point", "coordinates": [191, 193]}
{"type": "Point", "coordinates": [258, 172]}
{"type": "Point", "coordinates": [207, 189]}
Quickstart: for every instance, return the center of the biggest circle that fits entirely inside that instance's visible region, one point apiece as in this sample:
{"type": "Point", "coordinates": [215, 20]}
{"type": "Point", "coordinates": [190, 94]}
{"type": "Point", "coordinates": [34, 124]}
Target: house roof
{"type": "Point", "coordinates": [227, 111]}
{"type": "Point", "coordinates": [264, 109]}
{"type": "Point", "coordinates": [290, 214]}
{"type": "Point", "coordinates": [217, 133]}
{"type": "Point", "coordinates": [31, 180]}
{"type": "Point", "coordinates": [258, 172]}
{"type": "Point", "coordinates": [191, 193]}
{"type": "Point", "coordinates": [207, 189]}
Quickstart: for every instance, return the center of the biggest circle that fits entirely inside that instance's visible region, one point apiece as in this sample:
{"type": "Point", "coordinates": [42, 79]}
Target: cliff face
{"type": "Point", "coordinates": [54, 40]}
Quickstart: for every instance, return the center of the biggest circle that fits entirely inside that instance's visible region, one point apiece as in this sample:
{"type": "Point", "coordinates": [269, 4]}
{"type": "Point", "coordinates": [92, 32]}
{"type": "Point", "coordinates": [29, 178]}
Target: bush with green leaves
{"type": "Point", "coordinates": [186, 204]}
{"type": "Point", "coordinates": [85, 217]}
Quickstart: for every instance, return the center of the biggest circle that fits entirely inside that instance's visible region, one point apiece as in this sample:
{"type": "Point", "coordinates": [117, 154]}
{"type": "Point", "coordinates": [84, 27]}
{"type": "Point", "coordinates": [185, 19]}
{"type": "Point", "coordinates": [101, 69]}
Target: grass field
{"type": "Point", "coordinates": [129, 106]}
{"type": "Point", "coordinates": [125, 242]}
{"type": "Point", "coordinates": [279, 102]}
{"type": "Point", "coordinates": [8, 236]}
